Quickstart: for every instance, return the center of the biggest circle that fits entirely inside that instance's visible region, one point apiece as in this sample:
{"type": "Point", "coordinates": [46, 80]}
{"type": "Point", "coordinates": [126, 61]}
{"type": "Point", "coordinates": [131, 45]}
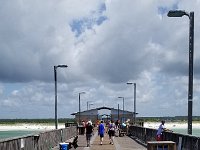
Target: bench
{"type": "Point", "coordinates": [161, 145]}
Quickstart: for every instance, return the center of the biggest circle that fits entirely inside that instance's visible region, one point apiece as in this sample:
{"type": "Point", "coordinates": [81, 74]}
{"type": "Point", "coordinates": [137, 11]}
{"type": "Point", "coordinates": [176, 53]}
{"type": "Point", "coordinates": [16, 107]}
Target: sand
{"type": "Point", "coordinates": [171, 125]}
{"type": "Point", "coordinates": [29, 126]}
{"type": "Point", "coordinates": [46, 127]}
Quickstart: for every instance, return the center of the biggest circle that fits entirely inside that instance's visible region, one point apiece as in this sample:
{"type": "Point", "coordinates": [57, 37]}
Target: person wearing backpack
{"type": "Point", "coordinates": [89, 131]}
{"type": "Point", "coordinates": [111, 131]}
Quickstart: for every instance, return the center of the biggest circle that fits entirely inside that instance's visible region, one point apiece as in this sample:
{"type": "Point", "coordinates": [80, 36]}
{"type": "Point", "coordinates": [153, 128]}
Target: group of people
{"type": "Point", "coordinates": [111, 128]}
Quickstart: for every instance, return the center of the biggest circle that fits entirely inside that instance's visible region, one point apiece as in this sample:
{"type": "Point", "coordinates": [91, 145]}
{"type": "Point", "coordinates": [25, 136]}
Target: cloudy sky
{"type": "Point", "coordinates": [105, 43]}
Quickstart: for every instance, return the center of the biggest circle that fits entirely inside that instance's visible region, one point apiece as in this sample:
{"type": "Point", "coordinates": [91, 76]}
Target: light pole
{"type": "Point", "coordinates": [88, 104]}
{"type": "Point", "coordinates": [134, 100]}
{"type": "Point", "coordinates": [180, 13]}
{"type": "Point", "coordinates": [123, 108]}
{"type": "Point", "coordinates": [55, 78]}
{"type": "Point", "coordinates": [118, 112]}
{"type": "Point", "coordinates": [79, 102]}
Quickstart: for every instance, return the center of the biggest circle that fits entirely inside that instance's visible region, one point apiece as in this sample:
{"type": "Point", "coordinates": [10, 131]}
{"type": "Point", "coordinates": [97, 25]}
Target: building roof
{"type": "Point", "coordinates": [99, 108]}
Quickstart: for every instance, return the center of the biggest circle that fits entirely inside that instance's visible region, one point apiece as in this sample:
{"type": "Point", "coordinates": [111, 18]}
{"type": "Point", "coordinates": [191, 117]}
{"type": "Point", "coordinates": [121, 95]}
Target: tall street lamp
{"type": "Point", "coordinates": [55, 77]}
{"type": "Point", "coordinates": [88, 104]}
{"type": "Point", "coordinates": [79, 102]}
{"type": "Point", "coordinates": [118, 112]}
{"type": "Point", "coordinates": [180, 13]}
{"type": "Point", "coordinates": [134, 101]}
{"type": "Point", "coordinates": [123, 108]}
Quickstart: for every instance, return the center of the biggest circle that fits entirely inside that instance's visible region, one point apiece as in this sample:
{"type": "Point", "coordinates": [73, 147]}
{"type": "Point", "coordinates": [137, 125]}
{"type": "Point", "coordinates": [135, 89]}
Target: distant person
{"type": "Point", "coordinates": [89, 131]}
{"type": "Point", "coordinates": [161, 129]}
{"type": "Point", "coordinates": [117, 125]}
{"type": "Point", "coordinates": [83, 123]}
{"type": "Point", "coordinates": [83, 127]}
{"type": "Point", "coordinates": [101, 130]}
{"type": "Point", "coordinates": [111, 131]}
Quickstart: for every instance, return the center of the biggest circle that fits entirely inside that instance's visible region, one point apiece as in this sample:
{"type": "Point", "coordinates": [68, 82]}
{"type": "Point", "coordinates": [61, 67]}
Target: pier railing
{"type": "Point", "coordinates": [183, 142]}
{"type": "Point", "coordinates": [42, 141]}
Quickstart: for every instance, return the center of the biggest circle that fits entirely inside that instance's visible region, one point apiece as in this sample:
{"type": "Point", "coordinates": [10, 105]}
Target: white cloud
{"type": "Point", "coordinates": [137, 42]}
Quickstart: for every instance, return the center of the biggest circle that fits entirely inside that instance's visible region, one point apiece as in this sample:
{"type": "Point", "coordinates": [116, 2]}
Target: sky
{"type": "Point", "coordinates": [105, 44]}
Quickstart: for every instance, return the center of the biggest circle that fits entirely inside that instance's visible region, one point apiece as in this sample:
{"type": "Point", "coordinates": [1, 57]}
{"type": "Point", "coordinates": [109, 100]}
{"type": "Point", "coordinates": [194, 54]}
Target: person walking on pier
{"type": "Point", "coordinates": [111, 132]}
{"type": "Point", "coordinates": [101, 130]}
{"type": "Point", "coordinates": [117, 127]}
{"type": "Point", "coordinates": [89, 131]}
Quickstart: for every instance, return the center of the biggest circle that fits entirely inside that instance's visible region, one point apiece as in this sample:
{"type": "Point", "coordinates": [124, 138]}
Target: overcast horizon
{"type": "Point", "coordinates": [105, 44]}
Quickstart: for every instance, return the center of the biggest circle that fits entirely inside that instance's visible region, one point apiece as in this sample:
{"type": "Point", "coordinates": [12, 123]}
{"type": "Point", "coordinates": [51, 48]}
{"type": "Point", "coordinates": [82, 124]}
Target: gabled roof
{"type": "Point", "coordinates": [104, 108]}
{"type": "Point", "coordinates": [99, 108]}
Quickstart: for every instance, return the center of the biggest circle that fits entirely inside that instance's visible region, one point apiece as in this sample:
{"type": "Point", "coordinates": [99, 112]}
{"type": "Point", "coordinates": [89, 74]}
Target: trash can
{"type": "Point", "coordinates": [64, 146]}
{"type": "Point", "coordinates": [81, 130]}
{"type": "Point", "coordinates": [68, 124]}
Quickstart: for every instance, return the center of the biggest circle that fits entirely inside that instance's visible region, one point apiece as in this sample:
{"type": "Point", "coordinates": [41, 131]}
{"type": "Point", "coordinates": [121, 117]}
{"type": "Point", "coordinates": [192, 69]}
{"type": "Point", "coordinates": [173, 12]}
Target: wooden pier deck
{"type": "Point", "coordinates": [120, 143]}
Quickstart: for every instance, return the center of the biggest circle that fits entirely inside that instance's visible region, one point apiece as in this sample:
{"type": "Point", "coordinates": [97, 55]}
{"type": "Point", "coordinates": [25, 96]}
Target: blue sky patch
{"type": "Point", "coordinates": [78, 26]}
{"type": "Point", "coordinates": [164, 10]}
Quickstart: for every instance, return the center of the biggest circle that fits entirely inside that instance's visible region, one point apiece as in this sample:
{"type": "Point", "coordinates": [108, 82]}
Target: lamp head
{"type": "Point", "coordinates": [120, 97]}
{"type": "Point", "coordinates": [177, 13]}
{"type": "Point", "coordinates": [82, 93]}
{"type": "Point", "coordinates": [62, 66]}
{"type": "Point", "coordinates": [129, 83]}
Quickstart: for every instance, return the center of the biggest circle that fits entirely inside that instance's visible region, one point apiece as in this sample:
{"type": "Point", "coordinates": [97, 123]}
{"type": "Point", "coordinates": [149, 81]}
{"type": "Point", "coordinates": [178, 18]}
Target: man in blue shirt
{"type": "Point", "coordinates": [101, 130]}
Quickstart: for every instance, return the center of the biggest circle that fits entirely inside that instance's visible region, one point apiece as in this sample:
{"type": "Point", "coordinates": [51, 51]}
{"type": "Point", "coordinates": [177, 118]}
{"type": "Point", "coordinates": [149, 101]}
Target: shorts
{"type": "Point", "coordinates": [111, 133]}
{"type": "Point", "coordinates": [101, 135]}
{"type": "Point", "coordinates": [159, 137]}
{"type": "Point", "coordinates": [88, 136]}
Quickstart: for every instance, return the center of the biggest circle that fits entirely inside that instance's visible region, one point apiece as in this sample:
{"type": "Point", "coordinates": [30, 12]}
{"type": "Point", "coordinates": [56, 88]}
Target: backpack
{"type": "Point", "coordinates": [112, 127]}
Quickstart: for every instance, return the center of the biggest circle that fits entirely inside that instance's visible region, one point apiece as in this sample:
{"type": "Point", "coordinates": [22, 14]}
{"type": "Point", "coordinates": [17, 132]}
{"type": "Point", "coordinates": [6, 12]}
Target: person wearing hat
{"type": "Point", "coordinates": [89, 131]}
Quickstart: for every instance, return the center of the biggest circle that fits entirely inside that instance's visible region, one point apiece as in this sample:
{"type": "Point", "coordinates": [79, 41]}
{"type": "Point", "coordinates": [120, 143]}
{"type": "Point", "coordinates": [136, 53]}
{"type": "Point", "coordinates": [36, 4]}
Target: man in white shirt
{"type": "Point", "coordinates": [159, 135]}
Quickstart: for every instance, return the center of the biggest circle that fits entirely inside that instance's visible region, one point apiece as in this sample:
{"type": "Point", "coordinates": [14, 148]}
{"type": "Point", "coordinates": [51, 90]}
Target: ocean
{"type": "Point", "coordinates": [11, 134]}
{"type": "Point", "coordinates": [195, 131]}
{"type": "Point", "coordinates": [15, 133]}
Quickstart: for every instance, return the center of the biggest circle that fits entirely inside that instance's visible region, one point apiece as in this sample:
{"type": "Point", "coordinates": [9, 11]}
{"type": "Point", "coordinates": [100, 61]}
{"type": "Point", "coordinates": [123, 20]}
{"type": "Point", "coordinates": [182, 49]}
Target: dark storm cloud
{"type": "Point", "coordinates": [27, 37]}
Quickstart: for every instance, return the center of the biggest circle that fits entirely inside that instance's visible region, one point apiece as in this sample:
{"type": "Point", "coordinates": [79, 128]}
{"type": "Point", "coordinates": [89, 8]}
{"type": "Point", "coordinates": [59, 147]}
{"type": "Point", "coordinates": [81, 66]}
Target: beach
{"type": "Point", "coordinates": [46, 126]}
{"type": "Point", "coordinates": [20, 129]}
{"type": "Point", "coordinates": [171, 125]}
{"type": "Point", "coordinates": [29, 126]}
{"type": "Point", "coordinates": [23, 129]}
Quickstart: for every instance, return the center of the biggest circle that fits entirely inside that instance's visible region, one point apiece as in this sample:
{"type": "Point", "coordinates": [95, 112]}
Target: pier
{"type": "Point", "coordinates": [137, 138]}
{"type": "Point", "coordinates": [134, 137]}
{"type": "Point", "coordinates": [120, 143]}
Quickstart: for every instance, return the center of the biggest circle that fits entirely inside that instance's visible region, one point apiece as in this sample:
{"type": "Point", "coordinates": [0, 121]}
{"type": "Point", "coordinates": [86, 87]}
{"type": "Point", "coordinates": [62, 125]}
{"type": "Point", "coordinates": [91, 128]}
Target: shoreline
{"type": "Point", "coordinates": [171, 125]}
{"type": "Point", "coordinates": [50, 126]}
{"type": "Point", "coordinates": [29, 126]}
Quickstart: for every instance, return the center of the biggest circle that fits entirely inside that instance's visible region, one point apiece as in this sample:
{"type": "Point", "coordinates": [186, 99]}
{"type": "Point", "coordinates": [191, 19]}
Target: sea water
{"type": "Point", "coordinates": [195, 131]}
{"type": "Point", "coordinates": [15, 133]}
